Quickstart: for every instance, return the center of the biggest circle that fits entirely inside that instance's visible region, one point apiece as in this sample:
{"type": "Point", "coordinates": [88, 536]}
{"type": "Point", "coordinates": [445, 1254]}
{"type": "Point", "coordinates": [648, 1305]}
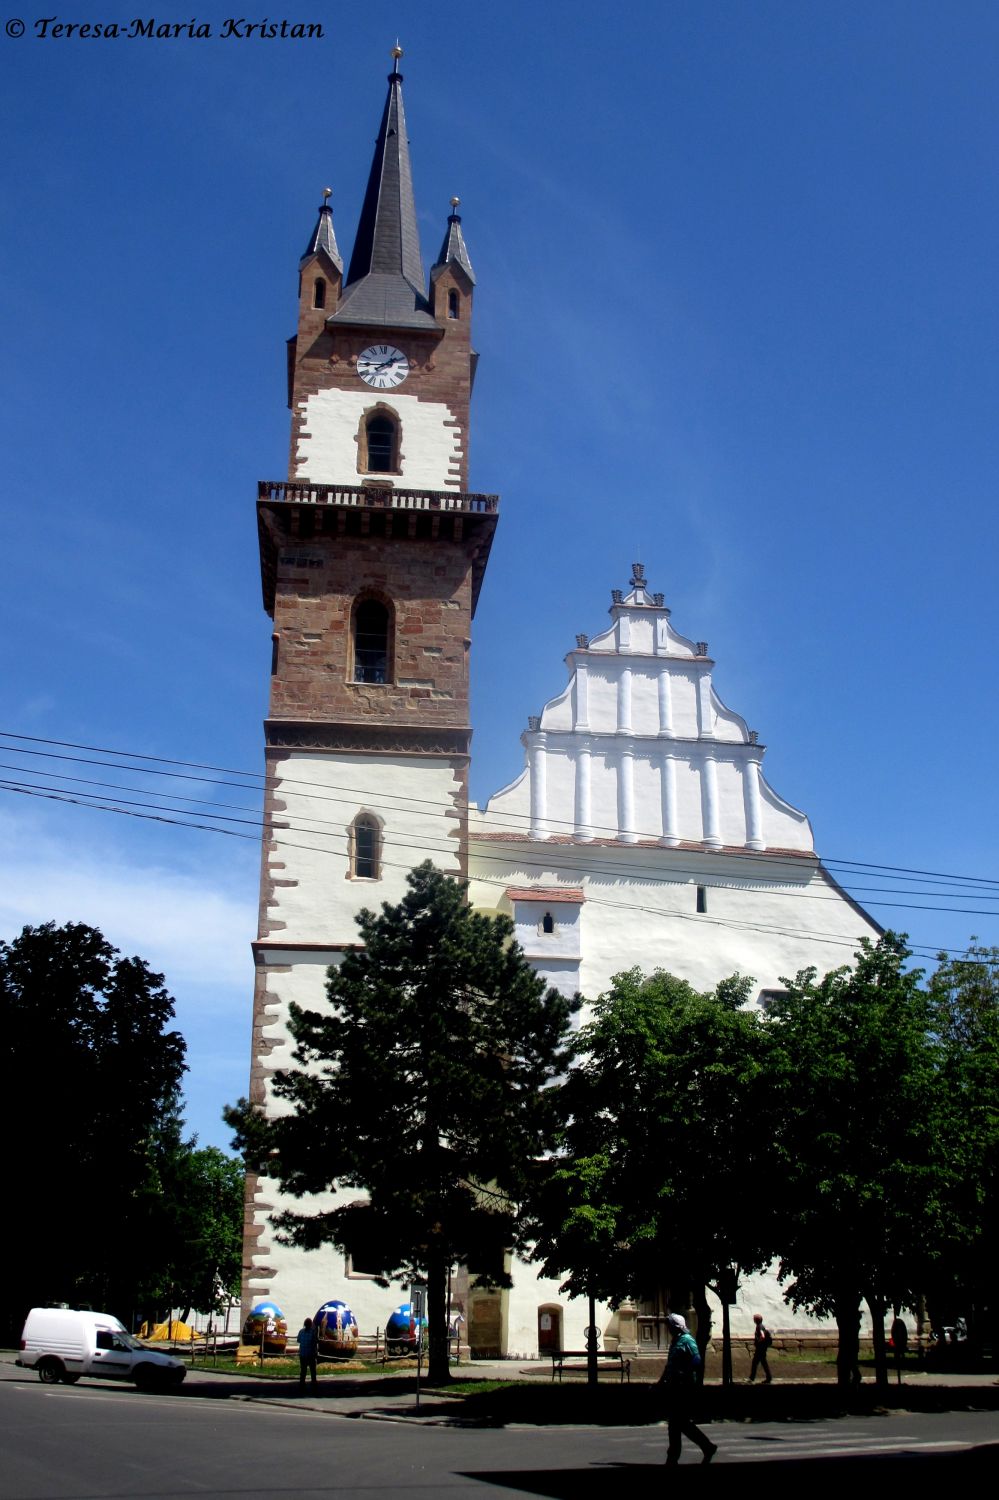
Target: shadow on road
{"type": "Point", "coordinates": [593, 1482]}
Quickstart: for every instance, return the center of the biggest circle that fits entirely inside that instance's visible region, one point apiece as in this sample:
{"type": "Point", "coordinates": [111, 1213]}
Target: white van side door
{"type": "Point", "coordinates": [112, 1357]}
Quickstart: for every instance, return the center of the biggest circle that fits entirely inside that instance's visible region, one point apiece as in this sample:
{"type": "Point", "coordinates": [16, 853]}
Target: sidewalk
{"type": "Point", "coordinates": [392, 1397]}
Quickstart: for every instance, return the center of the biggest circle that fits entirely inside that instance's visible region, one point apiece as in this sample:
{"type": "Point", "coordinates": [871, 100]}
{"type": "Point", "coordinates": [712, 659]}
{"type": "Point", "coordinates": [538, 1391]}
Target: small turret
{"type": "Point", "coordinates": [320, 280]}
{"type": "Point", "coordinates": [451, 277]}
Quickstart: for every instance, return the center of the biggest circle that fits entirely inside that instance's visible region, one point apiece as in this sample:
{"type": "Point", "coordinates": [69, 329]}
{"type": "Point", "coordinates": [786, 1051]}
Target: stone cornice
{"type": "Point", "coordinates": [288, 945]}
{"type": "Point", "coordinates": [685, 846]}
{"type": "Point", "coordinates": [367, 738]}
{"type": "Point", "coordinates": [661, 742]}
{"type": "Point", "coordinates": [659, 658]}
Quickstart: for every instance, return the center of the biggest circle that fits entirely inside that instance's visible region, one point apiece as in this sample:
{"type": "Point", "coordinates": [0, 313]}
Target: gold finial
{"type": "Point", "coordinates": [455, 202]}
{"type": "Point", "coordinates": [397, 50]}
{"type": "Point", "coordinates": [327, 194]}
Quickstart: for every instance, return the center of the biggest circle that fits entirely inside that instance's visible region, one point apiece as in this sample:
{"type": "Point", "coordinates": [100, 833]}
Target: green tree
{"type": "Point", "coordinates": [90, 1077]}
{"type": "Point", "coordinates": [427, 1085]}
{"type": "Point", "coordinates": [666, 1172]}
{"type": "Point", "coordinates": [198, 1218]}
{"type": "Point", "coordinates": [964, 1004]}
{"type": "Point", "coordinates": [855, 1072]}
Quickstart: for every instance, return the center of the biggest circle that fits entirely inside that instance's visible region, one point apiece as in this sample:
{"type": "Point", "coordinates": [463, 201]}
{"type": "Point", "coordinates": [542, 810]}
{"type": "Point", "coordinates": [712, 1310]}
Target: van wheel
{"type": "Point", "coordinates": [146, 1377]}
{"type": "Point", "coordinates": [50, 1370]}
{"type": "Point", "coordinates": [68, 1379]}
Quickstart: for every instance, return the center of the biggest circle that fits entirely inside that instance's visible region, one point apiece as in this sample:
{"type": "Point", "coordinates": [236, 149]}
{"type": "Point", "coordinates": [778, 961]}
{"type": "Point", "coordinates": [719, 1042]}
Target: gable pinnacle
{"type": "Point", "coordinates": [323, 237]}
{"type": "Point", "coordinates": [454, 250]}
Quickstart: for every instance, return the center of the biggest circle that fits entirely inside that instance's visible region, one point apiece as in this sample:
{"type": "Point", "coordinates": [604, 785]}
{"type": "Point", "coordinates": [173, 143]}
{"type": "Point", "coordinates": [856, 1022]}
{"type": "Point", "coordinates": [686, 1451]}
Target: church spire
{"type": "Point", "coordinates": [385, 282]}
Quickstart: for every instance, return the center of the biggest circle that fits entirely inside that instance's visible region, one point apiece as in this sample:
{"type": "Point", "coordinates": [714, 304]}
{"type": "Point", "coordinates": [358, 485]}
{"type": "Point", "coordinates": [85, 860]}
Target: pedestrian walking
{"type": "Point", "coordinates": [899, 1341]}
{"type": "Point", "coordinates": [762, 1339]}
{"type": "Point", "coordinates": [681, 1377]}
{"type": "Point", "coordinates": [308, 1348]}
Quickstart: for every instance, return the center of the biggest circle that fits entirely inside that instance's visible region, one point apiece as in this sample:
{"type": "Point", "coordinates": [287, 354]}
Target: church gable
{"type": "Point", "coordinates": [640, 748]}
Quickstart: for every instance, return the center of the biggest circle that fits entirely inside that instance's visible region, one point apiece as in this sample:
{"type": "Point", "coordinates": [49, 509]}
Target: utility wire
{"type": "Point", "coordinates": [312, 790]}
{"type": "Point", "coordinates": [184, 821]}
{"type": "Point", "coordinates": [436, 843]}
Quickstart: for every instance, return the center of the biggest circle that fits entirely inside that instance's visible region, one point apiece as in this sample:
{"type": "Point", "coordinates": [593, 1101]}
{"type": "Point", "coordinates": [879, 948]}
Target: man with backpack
{"type": "Point", "coordinates": [682, 1378]}
{"type": "Point", "coordinates": [762, 1339]}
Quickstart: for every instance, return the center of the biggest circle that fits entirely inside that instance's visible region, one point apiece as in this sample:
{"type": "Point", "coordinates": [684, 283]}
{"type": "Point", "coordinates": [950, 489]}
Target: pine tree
{"type": "Point", "coordinates": [427, 1084]}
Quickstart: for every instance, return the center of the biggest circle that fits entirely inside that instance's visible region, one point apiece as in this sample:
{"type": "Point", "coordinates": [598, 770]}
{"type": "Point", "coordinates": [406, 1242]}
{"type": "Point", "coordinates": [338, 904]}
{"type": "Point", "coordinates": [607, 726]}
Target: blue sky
{"type": "Point", "coordinates": [738, 315]}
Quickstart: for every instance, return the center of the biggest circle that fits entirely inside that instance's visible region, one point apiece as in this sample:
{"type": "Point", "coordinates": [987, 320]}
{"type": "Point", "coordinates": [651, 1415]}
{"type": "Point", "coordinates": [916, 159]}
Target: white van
{"type": "Point", "coordinates": [63, 1343]}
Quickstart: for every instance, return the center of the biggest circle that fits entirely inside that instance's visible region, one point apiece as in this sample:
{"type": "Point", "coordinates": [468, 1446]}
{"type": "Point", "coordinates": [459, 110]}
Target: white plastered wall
{"type": "Point", "coordinates": [430, 447]}
{"type": "Point", "coordinates": [314, 902]}
{"type": "Point", "coordinates": [412, 797]}
{"type": "Point", "coordinates": [766, 917]}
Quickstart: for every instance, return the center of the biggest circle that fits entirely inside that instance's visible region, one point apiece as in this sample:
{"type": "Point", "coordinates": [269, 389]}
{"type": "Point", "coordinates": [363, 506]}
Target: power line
{"type": "Point", "coordinates": [588, 867]}
{"type": "Point", "coordinates": [314, 790]}
{"type": "Point", "coordinates": [701, 919]}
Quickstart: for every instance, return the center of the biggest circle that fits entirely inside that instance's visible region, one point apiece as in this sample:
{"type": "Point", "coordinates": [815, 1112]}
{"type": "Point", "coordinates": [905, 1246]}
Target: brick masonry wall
{"type": "Point", "coordinates": [428, 585]}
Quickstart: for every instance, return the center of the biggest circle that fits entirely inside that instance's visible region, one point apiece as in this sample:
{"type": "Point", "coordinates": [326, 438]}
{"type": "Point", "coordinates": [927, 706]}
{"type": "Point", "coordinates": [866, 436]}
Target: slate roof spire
{"type": "Point", "coordinates": [453, 249]}
{"type": "Point", "coordinates": [323, 237]}
{"type": "Point", "coordinates": [385, 281]}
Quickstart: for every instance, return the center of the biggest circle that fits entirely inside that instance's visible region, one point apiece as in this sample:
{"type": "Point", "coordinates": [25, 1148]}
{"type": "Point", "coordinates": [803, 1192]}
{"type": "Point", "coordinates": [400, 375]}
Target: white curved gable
{"type": "Point", "coordinates": [639, 747]}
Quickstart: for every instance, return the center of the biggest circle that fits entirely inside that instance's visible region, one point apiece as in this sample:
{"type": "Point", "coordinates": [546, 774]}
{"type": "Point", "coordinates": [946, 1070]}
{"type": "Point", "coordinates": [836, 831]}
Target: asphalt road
{"type": "Point", "coordinates": [98, 1442]}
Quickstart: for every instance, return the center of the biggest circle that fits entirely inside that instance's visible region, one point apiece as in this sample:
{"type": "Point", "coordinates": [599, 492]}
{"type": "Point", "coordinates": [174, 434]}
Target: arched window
{"type": "Point", "coordinates": [381, 443]}
{"type": "Point", "coordinates": [452, 304]}
{"type": "Point", "coordinates": [319, 292]}
{"type": "Point", "coordinates": [371, 628]}
{"type": "Point", "coordinates": [365, 847]}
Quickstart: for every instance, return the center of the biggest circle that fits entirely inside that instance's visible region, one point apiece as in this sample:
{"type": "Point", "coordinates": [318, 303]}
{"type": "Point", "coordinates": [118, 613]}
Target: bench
{"type": "Point", "coordinates": [576, 1359]}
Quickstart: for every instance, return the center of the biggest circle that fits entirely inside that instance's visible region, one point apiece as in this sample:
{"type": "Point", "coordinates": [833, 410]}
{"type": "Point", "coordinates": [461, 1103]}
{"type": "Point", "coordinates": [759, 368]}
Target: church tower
{"type": "Point", "coordinates": [372, 555]}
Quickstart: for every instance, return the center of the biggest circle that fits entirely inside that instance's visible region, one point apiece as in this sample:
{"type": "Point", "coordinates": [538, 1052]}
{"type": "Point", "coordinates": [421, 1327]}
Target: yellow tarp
{"type": "Point", "coordinates": [164, 1332]}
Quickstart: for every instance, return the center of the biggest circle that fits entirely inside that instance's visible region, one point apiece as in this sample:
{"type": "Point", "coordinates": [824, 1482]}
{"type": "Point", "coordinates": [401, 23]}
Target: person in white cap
{"type": "Point", "coordinates": [681, 1378]}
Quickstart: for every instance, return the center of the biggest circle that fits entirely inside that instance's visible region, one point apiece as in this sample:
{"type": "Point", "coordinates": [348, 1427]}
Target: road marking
{"type": "Point", "coordinates": [838, 1448]}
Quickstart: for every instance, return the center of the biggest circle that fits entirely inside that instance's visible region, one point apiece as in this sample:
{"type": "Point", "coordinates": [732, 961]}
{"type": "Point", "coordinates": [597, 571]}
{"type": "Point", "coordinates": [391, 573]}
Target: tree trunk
{"type": "Point", "coordinates": [726, 1345]}
{"type": "Point", "coordinates": [701, 1306]}
{"type": "Point", "coordinates": [877, 1307]}
{"type": "Point", "coordinates": [592, 1374]}
{"type": "Point", "coordinates": [438, 1370]}
{"type": "Point", "coordinates": [847, 1309]}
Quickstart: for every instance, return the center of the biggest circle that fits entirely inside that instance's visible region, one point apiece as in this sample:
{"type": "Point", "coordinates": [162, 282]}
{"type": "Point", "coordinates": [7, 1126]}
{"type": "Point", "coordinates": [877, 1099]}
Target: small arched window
{"type": "Point", "coordinates": [382, 433]}
{"type": "Point", "coordinates": [452, 304]}
{"type": "Point", "coordinates": [547, 922]}
{"type": "Point", "coordinates": [319, 292]}
{"type": "Point", "coordinates": [365, 847]}
{"type": "Point", "coordinates": [372, 633]}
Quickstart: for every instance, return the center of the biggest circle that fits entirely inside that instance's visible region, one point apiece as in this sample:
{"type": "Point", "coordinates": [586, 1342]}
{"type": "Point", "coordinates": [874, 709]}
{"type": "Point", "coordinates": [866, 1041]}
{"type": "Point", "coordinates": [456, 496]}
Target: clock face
{"type": "Point", "coordinates": [382, 366]}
